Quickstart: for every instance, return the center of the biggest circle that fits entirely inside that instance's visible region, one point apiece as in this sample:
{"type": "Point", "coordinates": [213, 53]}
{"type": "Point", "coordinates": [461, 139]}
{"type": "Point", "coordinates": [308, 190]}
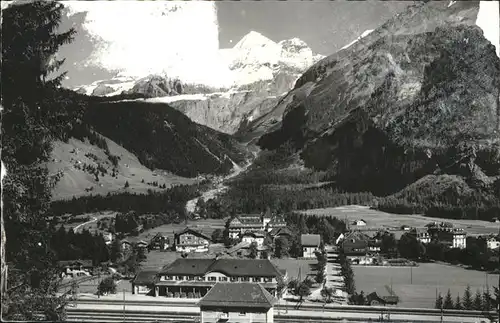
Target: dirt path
{"type": "Point", "coordinates": [219, 184]}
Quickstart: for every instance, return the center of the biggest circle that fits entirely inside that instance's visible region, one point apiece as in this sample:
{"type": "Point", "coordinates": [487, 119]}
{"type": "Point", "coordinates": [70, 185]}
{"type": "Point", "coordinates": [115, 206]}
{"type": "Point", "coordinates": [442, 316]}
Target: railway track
{"type": "Point", "coordinates": [347, 314]}
{"type": "Point", "coordinates": [311, 307]}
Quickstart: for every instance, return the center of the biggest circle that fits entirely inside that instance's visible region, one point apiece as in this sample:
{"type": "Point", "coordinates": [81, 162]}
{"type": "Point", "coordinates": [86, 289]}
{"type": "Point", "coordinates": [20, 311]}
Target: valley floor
{"type": "Point", "coordinates": [376, 220]}
{"type": "Point", "coordinates": [417, 287]}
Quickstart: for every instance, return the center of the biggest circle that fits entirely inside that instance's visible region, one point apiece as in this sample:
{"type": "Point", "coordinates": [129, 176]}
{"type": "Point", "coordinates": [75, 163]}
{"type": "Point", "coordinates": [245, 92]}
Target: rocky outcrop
{"type": "Point", "coordinates": [393, 107]}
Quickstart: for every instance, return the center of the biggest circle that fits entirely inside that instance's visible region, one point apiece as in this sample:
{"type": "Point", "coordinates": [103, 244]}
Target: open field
{"type": "Point", "coordinates": [66, 157]}
{"type": "Point", "coordinates": [377, 219]}
{"type": "Point", "coordinates": [157, 259]}
{"type": "Point", "coordinates": [294, 267]}
{"type": "Point", "coordinates": [418, 287]}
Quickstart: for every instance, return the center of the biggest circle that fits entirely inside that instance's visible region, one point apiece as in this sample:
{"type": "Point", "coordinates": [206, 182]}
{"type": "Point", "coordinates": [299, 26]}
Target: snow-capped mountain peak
{"type": "Point", "coordinates": [254, 40]}
{"type": "Point", "coordinates": [254, 58]}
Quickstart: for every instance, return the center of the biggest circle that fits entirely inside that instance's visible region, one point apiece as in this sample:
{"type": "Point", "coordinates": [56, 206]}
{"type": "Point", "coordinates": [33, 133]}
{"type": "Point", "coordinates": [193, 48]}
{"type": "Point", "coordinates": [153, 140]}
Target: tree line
{"type": "Point", "coordinates": [69, 245]}
{"type": "Point", "coordinates": [481, 301]}
{"type": "Point", "coordinates": [172, 199]}
{"type": "Point", "coordinates": [36, 112]}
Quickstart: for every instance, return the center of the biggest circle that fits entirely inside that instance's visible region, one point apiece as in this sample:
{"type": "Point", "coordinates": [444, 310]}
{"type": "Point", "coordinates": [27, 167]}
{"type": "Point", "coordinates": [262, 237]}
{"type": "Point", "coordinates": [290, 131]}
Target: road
{"type": "Point", "coordinates": [75, 229]}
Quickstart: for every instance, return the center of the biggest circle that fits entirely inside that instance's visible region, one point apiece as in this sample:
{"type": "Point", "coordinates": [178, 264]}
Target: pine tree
{"type": "Point", "coordinates": [448, 301]}
{"type": "Point", "coordinates": [32, 106]}
{"type": "Point", "coordinates": [439, 302]}
{"type": "Point", "coordinates": [478, 301]}
{"type": "Point", "coordinates": [458, 304]}
{"type": "Point", "coordinates": [467, 299]}
{"type": "Point", "coordinates": [487, 298]}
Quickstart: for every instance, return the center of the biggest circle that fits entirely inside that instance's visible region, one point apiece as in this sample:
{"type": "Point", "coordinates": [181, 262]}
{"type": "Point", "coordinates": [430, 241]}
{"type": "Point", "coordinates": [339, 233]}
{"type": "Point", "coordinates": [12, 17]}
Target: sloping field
{"type": "Point", "coordinates": [377, 219]}
{"type": "Point", "coordinates": [417, 287]}
{"type": "Point", "coordinates": [68, 157]}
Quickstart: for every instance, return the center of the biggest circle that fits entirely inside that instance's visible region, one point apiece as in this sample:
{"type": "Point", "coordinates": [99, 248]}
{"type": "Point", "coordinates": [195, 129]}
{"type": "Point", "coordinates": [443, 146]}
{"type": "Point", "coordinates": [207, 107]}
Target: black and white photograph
{"type": "Point", "coordinates": [264, 161]}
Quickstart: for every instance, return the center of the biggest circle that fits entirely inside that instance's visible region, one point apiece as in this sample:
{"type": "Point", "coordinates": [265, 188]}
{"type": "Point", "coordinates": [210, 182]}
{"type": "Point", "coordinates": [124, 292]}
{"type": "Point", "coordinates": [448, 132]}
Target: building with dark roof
{"type": "Point", "coordinates": [195, 277]}
{"type": "Point", "coordinates": [310, 244]}
{"type": "Point", "coordinates": [254, 223]}
{"type": "Point", "coordinates": [189, 240]}
{"type": "Point", "coordinates": [355, 244]}
{"type": "Point", "coordinates": [240, 302]}
{"type": "Point", "coordinates": [257, 237]}
{"type": "Point", "coordinates": [382, 296]}
{"type": "Point", "coordinates": [280, 232]}
{"type": "Point", "coordinates": [76, 267]}
{"type": "Point", "coordinates": [144, 282]}
{"type": "Point", "coordinates": [245, 223]}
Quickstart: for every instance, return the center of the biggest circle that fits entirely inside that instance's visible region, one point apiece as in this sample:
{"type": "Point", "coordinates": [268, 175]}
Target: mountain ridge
{"type": "Point", "coordinates": [417, 96]}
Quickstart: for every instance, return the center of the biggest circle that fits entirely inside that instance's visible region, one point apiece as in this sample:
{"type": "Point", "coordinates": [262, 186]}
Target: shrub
{"type": "Point", "coordinates": [106, 286]}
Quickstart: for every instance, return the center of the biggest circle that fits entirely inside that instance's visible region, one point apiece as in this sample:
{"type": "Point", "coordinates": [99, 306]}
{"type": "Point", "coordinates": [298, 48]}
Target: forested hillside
{"type": "Point", "coordinates": [162, 137]}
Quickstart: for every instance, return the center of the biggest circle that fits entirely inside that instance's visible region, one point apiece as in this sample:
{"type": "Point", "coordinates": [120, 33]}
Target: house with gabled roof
{"type": "Point", "coordinates": [240, 302]}
{"type": "Point", "coordinates": [76, 267]}
{"type": "Point", "coordinates": [189, 240]}
{"type": "Point", "coordinates": [144, 282]}
{"type": "Point", "coordinates": [355, 243]}
{"type": "Point", "coordinates": [196, 276]}
{"type": "Point", "coordinates": [245, 222]}
{"type": "Point", "coordinates": [255, 222]}
{"type": "Point", "coordinates": [250, 237]}
{"type": "Point", "coordinates": [310, 244]}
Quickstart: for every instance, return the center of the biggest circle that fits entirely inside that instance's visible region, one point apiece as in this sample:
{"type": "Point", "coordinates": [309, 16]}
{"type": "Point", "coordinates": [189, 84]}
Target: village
{"type": "Point", "coordinates": [264, 252]}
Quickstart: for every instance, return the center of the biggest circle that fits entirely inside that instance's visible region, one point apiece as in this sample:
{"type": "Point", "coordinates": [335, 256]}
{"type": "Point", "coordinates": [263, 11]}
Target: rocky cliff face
{"type": "Point", "coordinates": [417, 96]}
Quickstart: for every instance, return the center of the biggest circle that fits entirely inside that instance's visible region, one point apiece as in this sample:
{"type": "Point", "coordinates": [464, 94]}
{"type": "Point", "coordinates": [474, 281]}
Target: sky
{"type": "Point", "coordinates": [181, 37]}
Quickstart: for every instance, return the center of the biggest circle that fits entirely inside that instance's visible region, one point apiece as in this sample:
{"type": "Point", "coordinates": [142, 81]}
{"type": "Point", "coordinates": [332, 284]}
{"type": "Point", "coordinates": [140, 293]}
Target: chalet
{"type": "Point", "coordinates": [495, 220]}
{"type": "Point", "coordinates": [245, 222]}
{"type": "Point", "coordinates": [240, 302]}
{"type": "Point", "coordinates": [405, 227]}
{"type": "Point", "coordinates": [493, 242]}
{"type": "Point", "coordinates": [421, 235]}
{"type": "Point", "coordinates": [374, 245]}
{"type": "Point", "coordinates": [310, 244]}
{"type": "Point", "coordinates": [144, 282]}
{"type": "Point", "coordinates": [383, 296]}
{"type": "Point", "coordinates": [76, 267]}
{"type": "Point", "coordinates": [242, 249]}
{"type": "Point", "coordinates": [189, 240]}
{"type": "Point", "coordinates": [254, 223]}
{"type": "Point", "coordinates": [159, 241]}
{"type": "Point", "coordinates": [276, 222]}
{"type": "Point", "coordinates": [446, 233]}
{"type": "Point", "coordinates": [194, 277]}
{"type": "Point", "coordinates": [355, 244]}
{"type": "Point", "coordinates": [257, 237]}
{"type": "Point", "coordinates": [359, 223]}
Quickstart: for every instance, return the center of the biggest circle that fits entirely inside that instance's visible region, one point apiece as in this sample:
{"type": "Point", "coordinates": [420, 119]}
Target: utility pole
{"type": "Point", "coordinates": [411, 275]}
{"type": "Point", "coordinates": [123, 305]}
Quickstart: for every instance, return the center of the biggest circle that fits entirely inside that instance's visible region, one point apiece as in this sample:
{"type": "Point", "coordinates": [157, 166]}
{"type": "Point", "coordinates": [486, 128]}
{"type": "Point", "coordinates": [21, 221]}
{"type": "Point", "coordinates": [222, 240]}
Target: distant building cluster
{"type": "Point", "coordinates": [255, 223]}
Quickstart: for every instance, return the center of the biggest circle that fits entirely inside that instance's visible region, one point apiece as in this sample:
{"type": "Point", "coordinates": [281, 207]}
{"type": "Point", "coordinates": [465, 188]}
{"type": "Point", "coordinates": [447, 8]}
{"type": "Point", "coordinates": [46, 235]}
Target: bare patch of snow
{"type": "Point", "coordinates": [364, 34]}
